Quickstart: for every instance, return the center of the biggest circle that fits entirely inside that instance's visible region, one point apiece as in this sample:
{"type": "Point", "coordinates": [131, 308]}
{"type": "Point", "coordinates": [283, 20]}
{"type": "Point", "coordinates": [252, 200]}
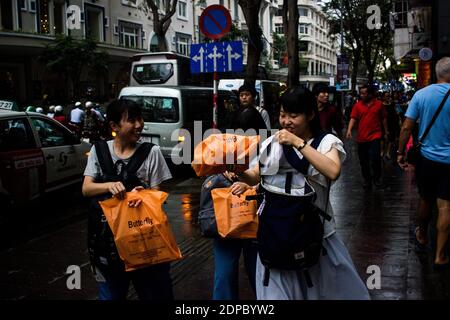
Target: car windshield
{"type": "Point", "coordinates": [152, 72]}
{"type": "Point", "coordinates": [157, 109]}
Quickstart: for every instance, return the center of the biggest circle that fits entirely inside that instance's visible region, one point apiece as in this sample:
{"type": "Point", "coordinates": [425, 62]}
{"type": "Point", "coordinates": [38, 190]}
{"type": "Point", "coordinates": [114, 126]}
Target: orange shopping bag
{"type": "Point", "coordinates": [221, 152]}
{"type": "Point", "coordinates": [235, 216]}
{"type": "Point", "coordinates": [142, 235]}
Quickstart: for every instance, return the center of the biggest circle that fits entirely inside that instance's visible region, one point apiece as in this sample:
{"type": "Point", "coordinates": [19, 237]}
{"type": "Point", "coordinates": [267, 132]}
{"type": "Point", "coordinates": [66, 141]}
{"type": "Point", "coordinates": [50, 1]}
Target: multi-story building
{"type": "Point", "coordinates": [317, 48]}
{"type": "Point", "coordinates": [122, 28]}
{"type": "Point", "coordinates": [421, 32]}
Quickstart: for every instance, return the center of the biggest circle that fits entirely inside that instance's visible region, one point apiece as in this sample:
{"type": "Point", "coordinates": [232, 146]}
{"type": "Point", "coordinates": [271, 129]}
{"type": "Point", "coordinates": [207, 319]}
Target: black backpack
{"type": "Point", "coordinates": [206, 216]}
{"type": "Point", "coordinates": [101, 246]}
{"type": "Point", "coordinates": [290, 231]}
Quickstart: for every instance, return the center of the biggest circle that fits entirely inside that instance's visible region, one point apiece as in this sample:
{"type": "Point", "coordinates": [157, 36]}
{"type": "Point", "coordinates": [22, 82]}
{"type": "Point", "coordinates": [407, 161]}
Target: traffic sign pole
{"type": "Point", "coordinates": [215, 97]}
{"type": "Point", "coordinates": [215, 22]}
{"type": "Point", "coordinates": [215, 93]}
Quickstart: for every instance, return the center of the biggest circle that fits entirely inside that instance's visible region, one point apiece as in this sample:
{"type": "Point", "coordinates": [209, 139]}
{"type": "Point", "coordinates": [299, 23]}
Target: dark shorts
{"type": "Point", "coordinates": [433, 179]}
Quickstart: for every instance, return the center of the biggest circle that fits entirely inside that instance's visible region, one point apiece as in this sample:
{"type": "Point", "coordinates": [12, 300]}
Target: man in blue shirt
{"type": "Point", "coordinates": [433, 170]}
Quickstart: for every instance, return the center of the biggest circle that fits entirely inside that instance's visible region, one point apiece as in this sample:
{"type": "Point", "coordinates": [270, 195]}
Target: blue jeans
{"type": "Point", "coordinates": [150, 283]}
{"type": "Point", "coordinates": [226, 261]}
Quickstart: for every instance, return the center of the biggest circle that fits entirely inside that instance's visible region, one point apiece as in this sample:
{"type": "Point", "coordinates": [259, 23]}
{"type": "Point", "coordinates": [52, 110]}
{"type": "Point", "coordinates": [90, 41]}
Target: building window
{"type": "Point", "coordinates": [94, 22]}
{"type": "Point", "coordinates": [303, 28]}
{"type": "Point", "coordinates": [279, 28]}
{"type": "Point", "coordinates": [400, 15]}
{"type": "Point", "coordinates": [32, 5]}
{"type": "Point", "coordinates": [130, 34]}
{"type": "Point", "coordinates": [182, 9]}
{"type": "Point", "coordinates": [23, 5]}
{"type": "Point", "coordinates": [154, 44]}
{"type": "Point", "coordinates": [236, 11]}
{"type": "Point", "coordinates": [303, 12]}
{"type": "Point", "coordinates": [182, 42]}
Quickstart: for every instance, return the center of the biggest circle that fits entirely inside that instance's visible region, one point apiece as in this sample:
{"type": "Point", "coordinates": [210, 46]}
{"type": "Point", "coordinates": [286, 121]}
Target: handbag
{"type": "Point", "coordinates": [414, 153]}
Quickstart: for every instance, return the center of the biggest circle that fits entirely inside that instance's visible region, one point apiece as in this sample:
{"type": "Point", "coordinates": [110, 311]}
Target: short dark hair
{"type": "Point", "coordinates": [301, 100]}
{"type": "Point", "coordinates": [370, 89]}
{"type": "Point", "coordinates": [249, 88]}
{"type": "Point", "coordinates": [320, 88]}
{"type": "Point", "coordinates": [118, 108]}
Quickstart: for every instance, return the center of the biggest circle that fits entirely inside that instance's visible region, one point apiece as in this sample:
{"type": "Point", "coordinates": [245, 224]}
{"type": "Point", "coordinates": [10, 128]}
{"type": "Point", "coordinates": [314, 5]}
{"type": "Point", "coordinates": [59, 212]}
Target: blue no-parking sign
{"type": "Point", "coordinates": [215, 21]}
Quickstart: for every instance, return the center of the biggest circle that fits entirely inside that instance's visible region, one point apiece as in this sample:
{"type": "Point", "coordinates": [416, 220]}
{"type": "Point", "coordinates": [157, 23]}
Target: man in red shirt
{"type": "Point", "coordinates": [370, 116]}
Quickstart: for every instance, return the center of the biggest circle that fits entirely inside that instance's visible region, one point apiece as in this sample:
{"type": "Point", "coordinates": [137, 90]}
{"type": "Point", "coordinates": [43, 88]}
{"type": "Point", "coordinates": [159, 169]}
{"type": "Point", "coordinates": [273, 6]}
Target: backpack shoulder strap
{"type": "Point", "coordinates": [294, 160]}
{"type": "Point", "coordinates": [139, 157]}
{"type": "Point", "coordinates": [104, 157]}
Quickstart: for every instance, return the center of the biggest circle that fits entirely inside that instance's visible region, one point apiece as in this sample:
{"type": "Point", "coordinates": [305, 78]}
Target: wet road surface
{"type": "Point", "coordinates": [375, 225]}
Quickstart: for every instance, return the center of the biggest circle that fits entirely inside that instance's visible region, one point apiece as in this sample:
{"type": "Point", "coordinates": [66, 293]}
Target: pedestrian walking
{"type": "Point", "coordinates": [370, 117]}
{"type": "Point", "coordinates": [393, 123]}
{"type": "Point", "coordinates": [432, 106]}
{"type": "Point", "coordinates": [227, 252]}
{"type": "Point", "coordinates": [330, 118]}
{"type": "Point", "coordinates": [248, 117]}
{"type": "Point", "coordinates": [153, 282]}
{"type": "Point", "coordinates": [333, 276]}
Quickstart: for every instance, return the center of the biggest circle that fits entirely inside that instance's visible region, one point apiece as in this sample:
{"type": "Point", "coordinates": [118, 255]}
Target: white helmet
{"type": "Point", "coordinates": [58, 109]}
{"type": "Point", "coordinates": [77, 104]}
{"type": "Point", "coordinates": [39, 110]}
{"type": "Point", "coordinates": [89, 104]}
{"type": "Point", "coordinates": [51, 109]}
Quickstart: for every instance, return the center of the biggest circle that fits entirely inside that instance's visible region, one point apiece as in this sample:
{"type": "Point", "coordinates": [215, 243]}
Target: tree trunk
{"type": "Point", "coordinates": [162, 23]}
{"type": "Point", "coordinates": [162, 45]}
{"type": "Point", "coordinates": [251, 10]}
{"type": "Point", "coordinates": [290, 25]}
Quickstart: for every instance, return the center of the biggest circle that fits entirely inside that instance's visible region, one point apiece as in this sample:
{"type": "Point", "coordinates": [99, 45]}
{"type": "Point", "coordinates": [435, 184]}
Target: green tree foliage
{"type": "Point", "coordinates": [362, 43]}
{"type": "Point", "coordinates": [69, 57]}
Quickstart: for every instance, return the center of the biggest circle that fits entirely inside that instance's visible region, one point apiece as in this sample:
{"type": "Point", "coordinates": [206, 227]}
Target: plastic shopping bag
{"type": "Point", "coordinates": [221, 152]}
{"type": "Point", "coordinates": [142, 235]}
{"type": "Point", "coordinates": [235, 216]}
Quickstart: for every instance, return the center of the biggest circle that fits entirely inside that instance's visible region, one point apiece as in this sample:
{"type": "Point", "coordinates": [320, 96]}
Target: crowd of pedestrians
{"type": "Point", "coordinates": [303, 159]}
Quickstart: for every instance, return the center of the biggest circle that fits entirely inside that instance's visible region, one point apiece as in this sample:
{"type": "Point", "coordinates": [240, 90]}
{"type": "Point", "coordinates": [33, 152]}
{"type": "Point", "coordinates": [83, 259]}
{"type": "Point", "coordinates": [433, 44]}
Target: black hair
{"type": "Point", "coordinates": [370, 89]}
{"type": "Point", "coordinates": [118, 108]}
{"type": "Point", "coordinates": [249, 88]}
{"type": "Point", "coordinates": [320, 88]}
{"type": "Point", "coordinates": [301, 100]}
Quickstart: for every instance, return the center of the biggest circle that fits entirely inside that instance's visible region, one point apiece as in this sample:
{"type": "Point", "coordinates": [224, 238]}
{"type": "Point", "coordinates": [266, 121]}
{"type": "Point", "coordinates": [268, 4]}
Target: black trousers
{"type": "Point", "coordinates": [370, 159]}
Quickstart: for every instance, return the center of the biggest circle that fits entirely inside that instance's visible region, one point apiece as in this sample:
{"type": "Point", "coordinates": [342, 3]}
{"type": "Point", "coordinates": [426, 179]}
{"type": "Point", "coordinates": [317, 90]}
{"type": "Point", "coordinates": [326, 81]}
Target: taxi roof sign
{"type": "Point", "coordinates": [9, 105]}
